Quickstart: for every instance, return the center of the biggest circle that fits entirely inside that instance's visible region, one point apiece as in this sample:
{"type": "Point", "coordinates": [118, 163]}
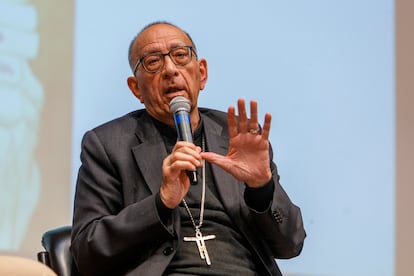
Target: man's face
{"type": "Point", "coordinates": [156, 90]}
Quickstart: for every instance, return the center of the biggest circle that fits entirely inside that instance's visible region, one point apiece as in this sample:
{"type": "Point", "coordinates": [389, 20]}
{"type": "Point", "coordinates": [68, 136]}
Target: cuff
{"type": "Point", "coordinates": [259, 199]}
{"type": "Point", "coordinates": [163, 211]}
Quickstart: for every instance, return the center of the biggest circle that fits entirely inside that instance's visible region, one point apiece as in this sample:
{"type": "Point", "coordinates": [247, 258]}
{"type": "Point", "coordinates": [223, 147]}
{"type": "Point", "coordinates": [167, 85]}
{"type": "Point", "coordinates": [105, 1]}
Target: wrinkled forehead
{"type": "Point", "coordinates": [160, 37]}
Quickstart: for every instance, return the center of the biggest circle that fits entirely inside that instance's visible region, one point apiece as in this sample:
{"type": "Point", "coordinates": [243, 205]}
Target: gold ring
{"type": "Point", "coordinates": [254, 131]}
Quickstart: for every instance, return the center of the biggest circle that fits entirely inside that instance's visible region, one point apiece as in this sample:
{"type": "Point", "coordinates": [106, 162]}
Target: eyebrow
{"type": "Point", "coordinates": [172, 46]}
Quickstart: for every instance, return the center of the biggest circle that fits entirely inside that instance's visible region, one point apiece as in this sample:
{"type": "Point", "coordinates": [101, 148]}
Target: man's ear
{"type": "Point", "coordinates": [133, 86]}
{"type": "Point", "coordinates": [202, 63]}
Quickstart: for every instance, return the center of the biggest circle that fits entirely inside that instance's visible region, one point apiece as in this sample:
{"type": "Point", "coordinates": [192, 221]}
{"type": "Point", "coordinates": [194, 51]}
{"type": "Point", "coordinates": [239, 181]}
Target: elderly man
{"type": "Point", "coordinates": [136, 210]}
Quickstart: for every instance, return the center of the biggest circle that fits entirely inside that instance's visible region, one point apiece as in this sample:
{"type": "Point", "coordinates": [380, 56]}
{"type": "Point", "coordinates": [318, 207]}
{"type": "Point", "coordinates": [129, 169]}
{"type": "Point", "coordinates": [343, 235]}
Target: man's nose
{"type": "Point", "coordinates": [169, 66]}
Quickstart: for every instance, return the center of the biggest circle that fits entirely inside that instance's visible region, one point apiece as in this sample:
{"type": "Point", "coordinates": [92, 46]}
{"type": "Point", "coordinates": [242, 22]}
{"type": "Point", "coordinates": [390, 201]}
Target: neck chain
{"type": "Point", "coordinates": [199, 239]}
{"type": "Point", "coordinates": [203, 193]}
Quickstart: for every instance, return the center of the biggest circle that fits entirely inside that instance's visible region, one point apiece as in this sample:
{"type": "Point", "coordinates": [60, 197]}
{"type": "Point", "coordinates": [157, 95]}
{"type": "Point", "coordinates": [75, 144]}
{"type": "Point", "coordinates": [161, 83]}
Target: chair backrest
{"type": "Point", "coordinates": [57, 256]}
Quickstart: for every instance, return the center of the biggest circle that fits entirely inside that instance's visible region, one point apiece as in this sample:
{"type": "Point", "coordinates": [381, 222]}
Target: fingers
{"type": "Point", "coordinates": [185, 156]}
{"type": "Point", "coordinates": [266, 126]}
{"type": "Point", "coordinates": [253, 123]}
{"type": "Point", "coordinates": [232, 121]}
{"type": "Point", "coordinates": [243, 121]}
{"type": "Point", "coordinates": [244, 125]}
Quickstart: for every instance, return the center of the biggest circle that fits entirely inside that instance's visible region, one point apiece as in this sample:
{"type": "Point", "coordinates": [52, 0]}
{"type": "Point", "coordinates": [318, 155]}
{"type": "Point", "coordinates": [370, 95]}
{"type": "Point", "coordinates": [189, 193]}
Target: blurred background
{"type": "Point", "coordinates": [336, 75]}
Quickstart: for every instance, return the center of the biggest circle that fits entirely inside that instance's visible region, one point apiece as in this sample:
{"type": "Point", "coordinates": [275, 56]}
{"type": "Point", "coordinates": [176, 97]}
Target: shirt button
{"type": "Point", "coordinates": [168, 250]}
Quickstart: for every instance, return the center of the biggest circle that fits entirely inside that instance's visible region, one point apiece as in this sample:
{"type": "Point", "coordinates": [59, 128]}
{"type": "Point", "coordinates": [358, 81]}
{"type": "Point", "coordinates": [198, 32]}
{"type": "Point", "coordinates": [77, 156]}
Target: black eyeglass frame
{"type": "Point", "coordinates": [190, 49]}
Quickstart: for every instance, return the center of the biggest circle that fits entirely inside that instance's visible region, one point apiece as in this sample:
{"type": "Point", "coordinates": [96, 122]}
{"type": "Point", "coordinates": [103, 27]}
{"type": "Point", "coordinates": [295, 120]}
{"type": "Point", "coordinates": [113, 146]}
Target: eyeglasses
{"type": "Point", "coordinates": [154, 62]}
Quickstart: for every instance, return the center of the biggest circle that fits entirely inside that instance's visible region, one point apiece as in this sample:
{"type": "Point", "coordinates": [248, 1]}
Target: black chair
{"type": "Point", "coordinates": [57, 256]}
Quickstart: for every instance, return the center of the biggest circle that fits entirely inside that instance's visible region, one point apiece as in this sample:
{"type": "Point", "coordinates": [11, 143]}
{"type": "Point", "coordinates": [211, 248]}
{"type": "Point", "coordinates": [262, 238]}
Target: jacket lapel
{"type": "Point", "coordinates": [149, 153]}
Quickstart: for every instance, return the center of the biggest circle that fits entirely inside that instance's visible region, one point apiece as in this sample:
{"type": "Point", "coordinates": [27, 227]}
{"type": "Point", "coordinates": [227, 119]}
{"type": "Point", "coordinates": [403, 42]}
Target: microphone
{"type": "Point", "coordinates": [180, 108]}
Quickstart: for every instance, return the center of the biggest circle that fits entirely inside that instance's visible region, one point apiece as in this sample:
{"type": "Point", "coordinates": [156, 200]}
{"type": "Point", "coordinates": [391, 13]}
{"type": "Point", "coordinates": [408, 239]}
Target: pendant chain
{"type": "Point", "coordinates": [203, 192]}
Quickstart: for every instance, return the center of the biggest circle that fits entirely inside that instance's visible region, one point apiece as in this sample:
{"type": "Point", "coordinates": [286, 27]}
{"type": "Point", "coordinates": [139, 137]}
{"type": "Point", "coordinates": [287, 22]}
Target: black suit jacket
{"type": "Point", "coordinates": [116, 226]}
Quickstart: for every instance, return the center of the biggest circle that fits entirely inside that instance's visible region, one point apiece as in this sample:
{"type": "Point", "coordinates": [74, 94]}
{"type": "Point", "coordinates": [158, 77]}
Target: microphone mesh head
{"type": "Point", "coordinates": [179, 103]}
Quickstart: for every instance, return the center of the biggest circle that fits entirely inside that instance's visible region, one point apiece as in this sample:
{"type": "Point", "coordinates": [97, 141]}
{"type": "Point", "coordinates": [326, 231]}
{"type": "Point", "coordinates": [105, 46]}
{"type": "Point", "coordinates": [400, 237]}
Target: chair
{"type": "Point", "coordinates": [57, 255]}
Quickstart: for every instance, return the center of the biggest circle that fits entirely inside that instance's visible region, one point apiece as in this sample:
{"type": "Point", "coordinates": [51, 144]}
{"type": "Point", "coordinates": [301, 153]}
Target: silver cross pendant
{"type": "Point", "coordinates": [202, 249]}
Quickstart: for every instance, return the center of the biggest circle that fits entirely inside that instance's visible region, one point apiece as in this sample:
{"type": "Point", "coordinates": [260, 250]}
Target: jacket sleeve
{"type": "Point", "coordinates": [106, 234]}
{"type": "Point", "coordinates": [281, 224]}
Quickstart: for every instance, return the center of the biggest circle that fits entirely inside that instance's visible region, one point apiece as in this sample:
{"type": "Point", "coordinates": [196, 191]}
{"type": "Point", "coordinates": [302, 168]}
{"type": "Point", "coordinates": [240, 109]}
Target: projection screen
{"type": "Point", "coordinates": [325, 70]}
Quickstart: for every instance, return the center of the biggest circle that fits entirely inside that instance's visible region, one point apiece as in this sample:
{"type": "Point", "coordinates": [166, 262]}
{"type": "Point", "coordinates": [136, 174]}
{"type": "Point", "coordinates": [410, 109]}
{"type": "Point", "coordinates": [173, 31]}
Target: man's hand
{"type": "Point", "coordinates": [184, 157]}
{"type": "Point", "coordinates": [248, 155]}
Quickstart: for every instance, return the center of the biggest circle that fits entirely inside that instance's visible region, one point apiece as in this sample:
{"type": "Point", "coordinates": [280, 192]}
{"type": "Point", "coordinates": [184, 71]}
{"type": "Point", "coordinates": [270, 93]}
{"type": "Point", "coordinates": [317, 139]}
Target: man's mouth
{"type": "Point", "coordinates": [174, 90]}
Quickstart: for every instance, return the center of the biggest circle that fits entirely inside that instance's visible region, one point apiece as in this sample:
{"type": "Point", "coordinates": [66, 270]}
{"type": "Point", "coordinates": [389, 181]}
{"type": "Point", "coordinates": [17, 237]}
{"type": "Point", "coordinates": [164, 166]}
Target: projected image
{"type": "Point", "coordinates": [21, 103]}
